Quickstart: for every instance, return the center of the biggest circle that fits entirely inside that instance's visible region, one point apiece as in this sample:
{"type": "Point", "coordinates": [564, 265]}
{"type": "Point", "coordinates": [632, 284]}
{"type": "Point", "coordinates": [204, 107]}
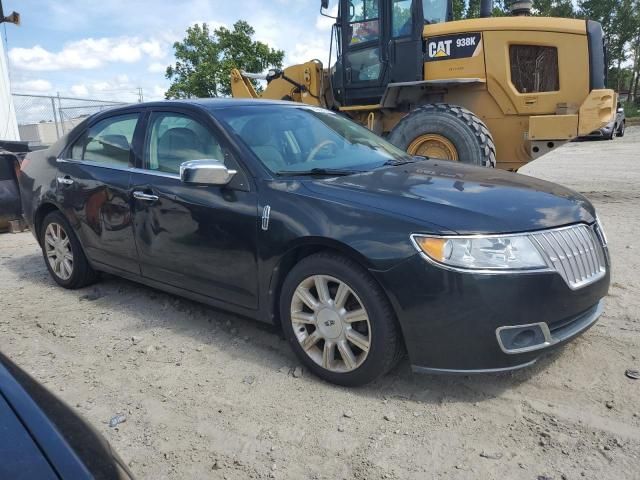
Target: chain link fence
{"type": "Point", "coordinates": [43, 119]}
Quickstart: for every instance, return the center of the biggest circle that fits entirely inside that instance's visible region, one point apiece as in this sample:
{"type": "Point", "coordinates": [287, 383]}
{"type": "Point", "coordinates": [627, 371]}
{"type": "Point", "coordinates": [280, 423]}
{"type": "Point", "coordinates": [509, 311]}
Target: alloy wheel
{"type": "Point", "coordinates": [58, 251]}
{"type": "Point", "coordinates": [331, 323]}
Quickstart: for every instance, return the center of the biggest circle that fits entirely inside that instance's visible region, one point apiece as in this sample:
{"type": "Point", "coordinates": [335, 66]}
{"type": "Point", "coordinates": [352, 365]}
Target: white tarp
{"type": "Point", "coordinates": [8, 123]}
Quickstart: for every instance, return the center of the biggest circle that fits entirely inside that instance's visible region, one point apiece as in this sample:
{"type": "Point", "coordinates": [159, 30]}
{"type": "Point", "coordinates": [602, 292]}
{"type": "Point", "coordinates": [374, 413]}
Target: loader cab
{"type": "Point", "coordinates": [380, 42]}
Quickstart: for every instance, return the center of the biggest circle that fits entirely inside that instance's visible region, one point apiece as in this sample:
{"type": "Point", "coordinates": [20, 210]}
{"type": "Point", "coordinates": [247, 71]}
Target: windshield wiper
{"type": "Point", "coordinates": [395, 163]}
{"type": "Point", "coordinates": [316, 171]}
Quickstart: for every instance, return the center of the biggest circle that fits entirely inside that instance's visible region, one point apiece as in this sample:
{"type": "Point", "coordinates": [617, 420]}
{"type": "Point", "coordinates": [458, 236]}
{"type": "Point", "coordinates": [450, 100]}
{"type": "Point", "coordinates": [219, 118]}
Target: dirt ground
{"type": "Point", "coordinates": [210, 395]}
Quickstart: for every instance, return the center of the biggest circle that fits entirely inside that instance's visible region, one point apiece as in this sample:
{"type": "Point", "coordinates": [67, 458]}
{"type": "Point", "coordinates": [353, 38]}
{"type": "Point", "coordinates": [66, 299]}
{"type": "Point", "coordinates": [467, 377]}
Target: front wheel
{"type": "Point", "coordinates": [445, 131]}
{"type": "Point", "coordinates": [338, 321]}
{"type": "Point", "coordinates": [621, 129]}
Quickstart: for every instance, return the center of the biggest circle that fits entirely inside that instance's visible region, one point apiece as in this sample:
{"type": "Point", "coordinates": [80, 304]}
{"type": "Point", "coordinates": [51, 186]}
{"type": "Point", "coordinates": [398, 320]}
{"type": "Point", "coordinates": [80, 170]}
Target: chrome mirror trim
{"type": "Point", "coordinates": [206, 172]}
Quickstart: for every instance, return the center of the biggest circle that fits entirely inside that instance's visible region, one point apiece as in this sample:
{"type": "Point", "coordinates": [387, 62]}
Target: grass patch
{"type": "Point", "coordinates": [631, 110]}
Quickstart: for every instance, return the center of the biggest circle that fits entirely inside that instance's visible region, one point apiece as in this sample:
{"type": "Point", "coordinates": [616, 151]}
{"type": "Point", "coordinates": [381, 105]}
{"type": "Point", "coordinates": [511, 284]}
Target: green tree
{"type": "Point", "coordinates": [620, 22]}
{"type": "Point", "coordinates": [458, 9]}
{"type": "Point", "coordinates": [473, 9]}
{"type": "Point", "coordinates": [554, 8]}
{"type": "Point", "coordinates": [204, 60]}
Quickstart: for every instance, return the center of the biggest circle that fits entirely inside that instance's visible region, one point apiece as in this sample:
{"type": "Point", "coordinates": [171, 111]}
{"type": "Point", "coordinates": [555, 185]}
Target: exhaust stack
{"type": "Point", "coordinates": [520, 8]}
{"type": "Point", "coordinates": [486, 8]}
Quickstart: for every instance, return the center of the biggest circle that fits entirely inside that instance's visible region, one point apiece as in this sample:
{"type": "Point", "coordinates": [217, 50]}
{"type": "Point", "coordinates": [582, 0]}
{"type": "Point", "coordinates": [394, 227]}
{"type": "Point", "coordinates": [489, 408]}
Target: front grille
{"type": "Point", "coordinates": [575, 252]}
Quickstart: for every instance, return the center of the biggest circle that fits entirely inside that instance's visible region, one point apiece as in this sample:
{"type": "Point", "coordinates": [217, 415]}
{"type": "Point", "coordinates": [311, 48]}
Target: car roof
{"type": "Point", "coordinates": [208, 103]}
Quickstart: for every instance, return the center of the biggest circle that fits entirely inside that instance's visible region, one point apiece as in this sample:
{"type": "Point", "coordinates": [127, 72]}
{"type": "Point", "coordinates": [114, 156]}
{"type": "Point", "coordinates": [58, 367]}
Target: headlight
{"type": "Point", "coordinates": [511, 252]}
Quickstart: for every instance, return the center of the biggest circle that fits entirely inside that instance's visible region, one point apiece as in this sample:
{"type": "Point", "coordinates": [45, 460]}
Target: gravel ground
{"type": "Point", "coordinates": [210, 395]}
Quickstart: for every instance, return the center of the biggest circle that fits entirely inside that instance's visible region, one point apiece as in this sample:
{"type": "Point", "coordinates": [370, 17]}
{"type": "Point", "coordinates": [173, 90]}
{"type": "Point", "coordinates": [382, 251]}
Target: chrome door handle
{"type": "Point", "coordinates": [65, 181]}
{"type": "Point", "coordinates": [145, 196]}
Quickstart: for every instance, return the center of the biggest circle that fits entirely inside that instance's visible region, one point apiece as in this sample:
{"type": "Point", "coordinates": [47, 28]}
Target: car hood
{"type": "Point", "coordinates": [461, 198]}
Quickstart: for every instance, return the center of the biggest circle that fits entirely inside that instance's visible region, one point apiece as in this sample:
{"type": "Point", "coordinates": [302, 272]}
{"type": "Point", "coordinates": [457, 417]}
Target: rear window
{"type": "Point", "coordinates": [534, 68]}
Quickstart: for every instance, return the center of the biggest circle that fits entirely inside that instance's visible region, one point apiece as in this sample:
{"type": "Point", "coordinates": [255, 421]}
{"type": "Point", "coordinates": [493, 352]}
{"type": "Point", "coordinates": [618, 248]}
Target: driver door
{"type": "Point", "coordinates": [200, 238]}
{"type": "Point", "coordinates": [364, 55]}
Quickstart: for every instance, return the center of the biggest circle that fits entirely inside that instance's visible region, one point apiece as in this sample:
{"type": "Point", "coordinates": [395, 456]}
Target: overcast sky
{"type": "Point", "coordinates": [107, 49]}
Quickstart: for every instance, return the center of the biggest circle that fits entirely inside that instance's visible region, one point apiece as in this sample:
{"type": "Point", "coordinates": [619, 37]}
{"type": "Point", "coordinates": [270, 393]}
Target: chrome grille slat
{"type": "Point", "coordinates": [582, 257]}
{"type": "Point", "coordinates": [588, 250]}
{"type": "Point", "coordinates": [593, 255]}
{"type": "Point", "coordinates": [576, 253]}
{"type": "Point", "coordinates": [568, 255]}
{"type": "Point", "coordinates": [552, 254]}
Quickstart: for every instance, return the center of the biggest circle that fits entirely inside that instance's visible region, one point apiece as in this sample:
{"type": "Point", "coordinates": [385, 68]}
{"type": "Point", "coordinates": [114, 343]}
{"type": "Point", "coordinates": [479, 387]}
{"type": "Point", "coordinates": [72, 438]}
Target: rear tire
{"type": "Point", "coordinates": [350, 337]}
{"type": "Point", "coordinates": [460, 128]}
{"type": "Point", "coordinates": [63, 254]}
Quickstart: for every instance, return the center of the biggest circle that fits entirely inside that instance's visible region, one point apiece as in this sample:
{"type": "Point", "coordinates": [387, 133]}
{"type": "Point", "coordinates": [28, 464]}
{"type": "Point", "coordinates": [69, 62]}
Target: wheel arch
{"type": "Point", "coordinates": [300, 250]}
{"type": "Point", "coordinates": [42, 211]}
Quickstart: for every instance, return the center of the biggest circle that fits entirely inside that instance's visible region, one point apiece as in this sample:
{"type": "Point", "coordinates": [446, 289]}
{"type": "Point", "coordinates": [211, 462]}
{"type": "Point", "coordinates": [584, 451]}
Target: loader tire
{"type": "Point", "coordinates": [440, 130]}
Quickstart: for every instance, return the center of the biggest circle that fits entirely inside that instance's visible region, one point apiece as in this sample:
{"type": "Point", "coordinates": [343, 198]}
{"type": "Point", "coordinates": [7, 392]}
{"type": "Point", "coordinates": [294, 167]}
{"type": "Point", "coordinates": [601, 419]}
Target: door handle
{"type": "Point", "coordinates": [66, 180]}
{"type": "Point", "coordinates": [145, 196]}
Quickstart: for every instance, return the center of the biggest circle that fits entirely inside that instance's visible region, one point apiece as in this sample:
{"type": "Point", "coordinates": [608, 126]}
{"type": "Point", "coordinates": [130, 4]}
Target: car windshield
{"type": "Point", "coordinates": [305, 140]}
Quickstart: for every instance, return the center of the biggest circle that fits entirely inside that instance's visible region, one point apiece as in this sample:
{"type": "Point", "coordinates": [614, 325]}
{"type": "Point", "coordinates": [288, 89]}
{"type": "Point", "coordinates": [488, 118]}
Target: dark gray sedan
{"type": "Point", "coordinates": [296, 216]}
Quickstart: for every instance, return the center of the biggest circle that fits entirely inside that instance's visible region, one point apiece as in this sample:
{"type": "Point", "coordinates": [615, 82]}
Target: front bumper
{"type": "Point", "coordinates": [451, 321]}
{"type": "Point", "coordinates": [603, 132]}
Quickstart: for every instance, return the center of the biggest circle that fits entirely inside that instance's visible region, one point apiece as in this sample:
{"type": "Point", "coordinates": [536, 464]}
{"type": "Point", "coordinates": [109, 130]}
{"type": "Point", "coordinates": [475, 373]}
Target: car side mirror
{"type": "Point", "coordinates": [205, 172]}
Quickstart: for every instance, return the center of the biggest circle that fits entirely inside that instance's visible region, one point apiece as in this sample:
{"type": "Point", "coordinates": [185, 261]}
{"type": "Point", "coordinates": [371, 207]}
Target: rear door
{"type": "Point", "coordinates": [195, 237]}
{"type": "Point", "coordinates": [93, 187]}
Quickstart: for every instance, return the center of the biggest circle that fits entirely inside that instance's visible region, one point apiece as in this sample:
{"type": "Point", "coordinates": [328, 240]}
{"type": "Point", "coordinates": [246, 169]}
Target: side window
{"type": "Point", "coordinates": [364, 24]}
{"type": "Point", "coordinates": [534, 68]}
{"type": "Point", "coordinates": [174, 138]}
{"type": "Point", "coordinates": [108, 141]}
{"type": "Point", "coordinates": [435, 11]}
{"type": "Point", "coordinates": [401, 18]}
{"type": "Point", "coordinates": [365, 64]}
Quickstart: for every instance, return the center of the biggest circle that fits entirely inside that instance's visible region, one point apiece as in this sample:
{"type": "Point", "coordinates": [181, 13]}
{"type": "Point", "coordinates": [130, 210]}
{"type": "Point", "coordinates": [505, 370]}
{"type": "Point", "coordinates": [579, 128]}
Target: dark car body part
{"type": "Point", "coordinates": [10, 205]}
{"type": "Point", "coordinates": [247, 235]}
{"type": "Point", "coordinates": [612, 129]}
{"type": "Point", "coordinates": [43, 438]}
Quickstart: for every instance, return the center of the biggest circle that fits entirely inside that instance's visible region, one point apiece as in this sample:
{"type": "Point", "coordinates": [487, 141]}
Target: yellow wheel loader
{"type": "Point", "coordinates": [497, 91]}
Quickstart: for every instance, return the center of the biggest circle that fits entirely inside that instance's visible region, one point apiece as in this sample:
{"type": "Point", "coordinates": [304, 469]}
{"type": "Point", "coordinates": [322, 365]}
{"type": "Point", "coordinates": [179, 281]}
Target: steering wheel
{"type": "Point", "coordinates": [319, 147]}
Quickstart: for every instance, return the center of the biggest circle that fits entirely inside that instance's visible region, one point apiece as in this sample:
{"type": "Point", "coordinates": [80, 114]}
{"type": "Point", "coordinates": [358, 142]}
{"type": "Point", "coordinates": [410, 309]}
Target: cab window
{"type": "Point", "coordinates": [435, 11]}
{"type": "Point", "coordinates": [174, 138]}
{"type": "Point", "coordinates": [107, 142]}
{"type": "Point", "coordinates": [364, 24]}
{"type": "Point", "coordinates": [401, 18]}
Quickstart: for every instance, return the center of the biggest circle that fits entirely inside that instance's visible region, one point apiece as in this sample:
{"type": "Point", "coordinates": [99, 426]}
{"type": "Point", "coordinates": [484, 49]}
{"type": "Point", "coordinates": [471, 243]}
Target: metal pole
{"type": "Point", "coordinates": [55, 116]}
{"type": "Point", "coordinates": [60, 114]}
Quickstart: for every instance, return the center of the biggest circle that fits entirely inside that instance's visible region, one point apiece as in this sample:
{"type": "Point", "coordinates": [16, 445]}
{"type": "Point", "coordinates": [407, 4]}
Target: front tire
{"type": "Point", "coordinates": [338, 321]}
{"type": "Point", "coordinates": [445, 131]}
{"type": "Point", "coordinates": [63, 254]}
{"type": "Point", "coordinates": [621, 129]}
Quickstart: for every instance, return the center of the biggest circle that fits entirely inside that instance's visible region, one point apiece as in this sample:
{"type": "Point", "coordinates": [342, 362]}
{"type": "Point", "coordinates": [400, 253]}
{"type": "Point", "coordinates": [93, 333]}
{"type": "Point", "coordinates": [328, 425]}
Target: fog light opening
{"type": "Point", "coordinates": [524, 339]}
